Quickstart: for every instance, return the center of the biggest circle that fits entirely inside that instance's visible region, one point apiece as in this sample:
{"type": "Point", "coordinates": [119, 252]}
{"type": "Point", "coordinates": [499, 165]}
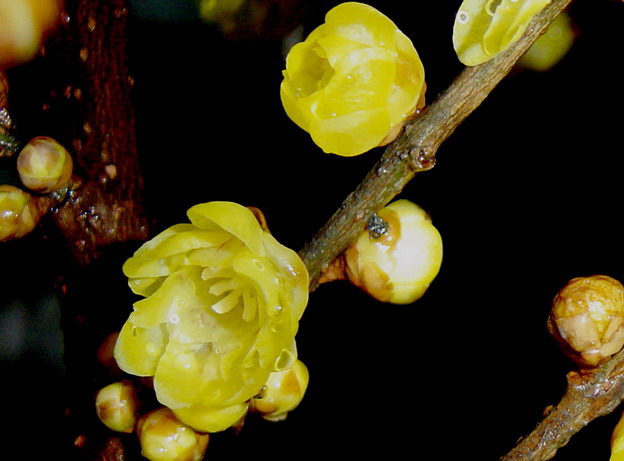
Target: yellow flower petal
{"type": "Point", "coordinates": [138, 350]}
{"type": "Point", "coordinates": [211, 419]}
{"type": "Point", "coordinates": [231, 217]}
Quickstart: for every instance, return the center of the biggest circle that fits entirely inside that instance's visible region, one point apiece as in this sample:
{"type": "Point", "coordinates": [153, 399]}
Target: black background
{"type": "Point", "coordinates": [526, 194]}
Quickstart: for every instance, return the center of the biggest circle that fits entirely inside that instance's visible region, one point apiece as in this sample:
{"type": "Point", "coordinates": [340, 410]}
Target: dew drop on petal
{"type": "Point", "coordinates": [152, 349]}
{"type": "Point", "coordinates": [462, 17]}
{"type": "Point", "coordinates": [285, 360]}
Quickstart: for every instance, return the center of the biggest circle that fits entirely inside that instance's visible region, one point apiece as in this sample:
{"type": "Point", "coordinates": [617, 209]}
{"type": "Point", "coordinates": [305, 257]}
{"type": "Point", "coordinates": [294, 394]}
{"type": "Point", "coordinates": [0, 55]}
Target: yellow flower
{"type": "Point", "coordinates": [485, 28]}
{"type": "Point", "coordinates": [223, 301]}
{"type": "Point", "coordinates": [354, 80]}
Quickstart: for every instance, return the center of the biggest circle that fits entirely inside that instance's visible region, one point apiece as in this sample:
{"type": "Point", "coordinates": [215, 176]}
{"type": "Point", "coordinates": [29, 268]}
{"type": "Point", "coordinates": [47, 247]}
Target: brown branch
{"type": "Point", "coordinates": [414, 151]}
{"type": "Point", "coordinates": [588, 396]}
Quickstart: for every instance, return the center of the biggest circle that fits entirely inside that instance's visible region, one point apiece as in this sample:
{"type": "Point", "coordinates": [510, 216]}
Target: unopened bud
{"type": "Point", "coordinates": [117, 406]}
{"type": "Point", "coordinates": [282, 392]}
{"type": "Point", "coordinates": [398, 257]}
{"type": "Point", "coordinates": [44, 165]}
{"type": "Point", "coordinates": [164, 438]}
{"type": "Point", "coordinates": [587, 319]}
{"type": "Point", "coordinates": [19, 213]}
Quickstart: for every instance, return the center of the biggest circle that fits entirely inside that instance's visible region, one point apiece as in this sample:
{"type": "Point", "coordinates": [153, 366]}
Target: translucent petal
{"type": "Point", "coordinates": [482, 29]}
{"type": "Point", "coordinates": [153, 243]}
{"type": "Point", "coordinates": [145, 286]}
{"type": "Point", "coordinates": [351, 134]}
{"type": "Point", "coordinates": [180, 377]}
{"type": "Point", "coordinates": [190, 240]}
{"type": "Point", "coordinates": [231, 217]}
{"type": "Point", "coordinates": [363, 80]}
{"type": "Point", "coordinates": [261, 272]}
{"type": "Point", "coordinates": [293, 274]}
{"type": "Point", "coordinates": [361, 23]}
{"type": "Point", "coordinates": [138, 350]}
{"type": "Point", "coordinates": [211, 419]}
{"type": "Point", "coordinates": [177, 293]}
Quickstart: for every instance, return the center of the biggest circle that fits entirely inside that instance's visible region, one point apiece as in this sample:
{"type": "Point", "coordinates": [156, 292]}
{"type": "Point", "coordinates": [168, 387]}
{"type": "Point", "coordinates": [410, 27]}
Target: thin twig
{"type": "Point", "coordinates": [414, 151]}
{"type": "Point", "coordinates": [588, 396]}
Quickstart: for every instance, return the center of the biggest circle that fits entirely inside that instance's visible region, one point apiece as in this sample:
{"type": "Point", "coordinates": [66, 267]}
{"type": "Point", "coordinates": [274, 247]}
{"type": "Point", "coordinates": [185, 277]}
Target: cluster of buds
{"type": "Point", "coordinates": [587, 319]}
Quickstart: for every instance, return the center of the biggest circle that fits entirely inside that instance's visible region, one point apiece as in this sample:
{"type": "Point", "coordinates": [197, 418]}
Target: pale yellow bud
{"type": "Point", "coordinates": [282, 392]}
{"type": "Point", "coordinates": [164, 438]}
{"type": "Point", "coordinates": [587, 319]}
{"type": "Point", "coordinates": [117, 405]}
{"type": "Point", "coordinates": [44, 165]}
{"type": "Point", "coordinates": [397, 262]}
{"type": "Point", "coordinates": [19, 213]}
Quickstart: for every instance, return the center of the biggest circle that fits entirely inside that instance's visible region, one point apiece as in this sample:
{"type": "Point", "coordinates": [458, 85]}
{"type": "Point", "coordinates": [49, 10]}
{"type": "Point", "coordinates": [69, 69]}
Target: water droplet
{"type": "Point", "coordinates": [65, 18]}
{"type": "Point", "coordinates": [425, 159]}
{"type": "Point", "coordinates": [285, 360]}
{"type": "Point", "coordinates": [174, 318]}
{"type": "Point", "coordinates": [152, 349]}
{"type": "Point", "coordinates": [462, 17]}
{"type": "Point", "coordinates": [67, 91]}
{"type": "Point", "coordinates": [382, 171]}
{"type": "Point", "coordinates": [87, 128]}
{"type": "Point", "coordinates": [258, 264]}
{"type": "Point", "coordinates": [84, 54]}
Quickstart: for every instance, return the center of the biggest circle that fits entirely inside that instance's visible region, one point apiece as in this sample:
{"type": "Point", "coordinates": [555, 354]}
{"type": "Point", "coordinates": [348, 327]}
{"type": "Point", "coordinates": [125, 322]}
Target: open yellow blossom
{"type": "Point", "coordinates": [354, 80]}
{"type": "Point", "coordinates": [485, 28]}
{"type": "Point", "coordinates": [222, 303]}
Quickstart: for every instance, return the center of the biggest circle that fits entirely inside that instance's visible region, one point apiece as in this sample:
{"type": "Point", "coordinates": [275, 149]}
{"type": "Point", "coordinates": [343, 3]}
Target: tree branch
{"type": "Point", "coordinates": [588, 396]}
{"type": "Point", "coordinates": [414, 151]}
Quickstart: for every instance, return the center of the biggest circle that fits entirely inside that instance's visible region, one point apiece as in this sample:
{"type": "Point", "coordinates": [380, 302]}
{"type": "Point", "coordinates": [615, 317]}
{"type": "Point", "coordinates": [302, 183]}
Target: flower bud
{"type": "Point", "coordinates": [116, 406]}
{"type": "Point", "coordinates": [587, 319]}
{"type": "Point", "coordinates": [164, 438]}
{"type": "Point", "coordinates": [19, 213]}
{"type": "Point", "coordinates": [282, 392]}
{"type": "Point", "coordinates": [551, 47]}
{"type": "Point", "coordinates": [398, 263]}
{"type": "Point", "coordinates": [44, 165]}
{"type": "Point", "coordinates": [24, 24]}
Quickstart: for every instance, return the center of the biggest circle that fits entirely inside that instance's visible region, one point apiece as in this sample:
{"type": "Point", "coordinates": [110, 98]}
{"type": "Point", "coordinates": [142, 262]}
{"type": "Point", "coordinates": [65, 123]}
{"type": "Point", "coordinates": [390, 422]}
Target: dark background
{"type": "Point", "coordinates": [526, 194]}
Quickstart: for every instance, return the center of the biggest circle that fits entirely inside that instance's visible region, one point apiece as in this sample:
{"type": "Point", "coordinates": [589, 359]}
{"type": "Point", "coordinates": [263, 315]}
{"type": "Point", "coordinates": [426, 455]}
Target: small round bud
{"type": "Point", "coordinates": [587, 319]}
{"type": "Point", "coordinates": [44, 165]}
{"type": "Point", "coordinates": [282, 392]}
{"type": "Point", "coordinates": [398, 257]}
{"type": "Point", "coordinates": [551, 47]}
{"type": "Point", "coordinates": [19, 213]}
{"type": "Point", "coordinates": [164, 438]}
{"type": "Point", "coordinates": [116, 406]}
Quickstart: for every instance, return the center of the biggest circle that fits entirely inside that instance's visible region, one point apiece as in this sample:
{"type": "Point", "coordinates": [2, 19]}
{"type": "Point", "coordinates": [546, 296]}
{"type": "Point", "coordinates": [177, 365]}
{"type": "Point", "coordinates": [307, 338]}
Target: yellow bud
{"type": "Point", "coordinates": [44, 165]}
{"type": "Point", "coordinates": [19, 213]}
{"type": "Point", "coordinates": [23, 25]}
{"type": "Point", "coordinates": [551, 47]}
{"type": "Point", "coordinates": [397, 263]}
{"type": "Point", "coordinates": [282, 392]}
{"type": "Point", "coordinates": [164, 438]}
{"type": "Point", "coordinates": [116, 406]}
{"type": "Point", "coordinates": [587, 319]}
{"type": "Point", "coordinates": [353, 81]}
